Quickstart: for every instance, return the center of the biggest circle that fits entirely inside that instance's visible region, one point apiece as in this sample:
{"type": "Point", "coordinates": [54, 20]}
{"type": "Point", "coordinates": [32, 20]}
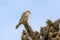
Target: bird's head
{"type": "Point", "coordinates": [28, 11]}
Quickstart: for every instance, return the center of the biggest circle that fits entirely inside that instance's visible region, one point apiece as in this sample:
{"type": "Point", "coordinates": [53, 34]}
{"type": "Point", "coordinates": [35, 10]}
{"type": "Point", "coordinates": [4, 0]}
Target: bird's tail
{"type": "Point", "coordinates": [18, 25]}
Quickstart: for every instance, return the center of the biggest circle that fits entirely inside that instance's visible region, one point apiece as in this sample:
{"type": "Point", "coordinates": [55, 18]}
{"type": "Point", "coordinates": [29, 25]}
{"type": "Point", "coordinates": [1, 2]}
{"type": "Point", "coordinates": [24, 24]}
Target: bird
{"type": "Point", "coordinates": [24, 18]}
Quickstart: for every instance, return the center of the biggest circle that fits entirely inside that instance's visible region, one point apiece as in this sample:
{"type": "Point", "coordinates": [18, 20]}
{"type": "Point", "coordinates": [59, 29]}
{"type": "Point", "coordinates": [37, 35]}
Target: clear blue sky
{"type": "Point", "coordinates": [11, 11]}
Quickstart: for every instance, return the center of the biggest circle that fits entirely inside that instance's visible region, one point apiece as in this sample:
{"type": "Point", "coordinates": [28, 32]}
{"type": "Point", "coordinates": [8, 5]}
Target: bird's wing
{"type": "Point", "coordinates": [22, 16]}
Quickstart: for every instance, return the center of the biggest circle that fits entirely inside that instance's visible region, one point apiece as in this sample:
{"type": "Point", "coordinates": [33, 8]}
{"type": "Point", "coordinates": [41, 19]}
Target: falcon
{"type": "Point", "coordinates": [23, 19]}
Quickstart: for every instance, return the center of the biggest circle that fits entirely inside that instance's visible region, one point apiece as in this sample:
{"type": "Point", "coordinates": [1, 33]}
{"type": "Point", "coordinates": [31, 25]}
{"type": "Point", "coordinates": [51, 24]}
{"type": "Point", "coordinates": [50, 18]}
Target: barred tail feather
{"type": "Point", "coordinates": [18, 25]}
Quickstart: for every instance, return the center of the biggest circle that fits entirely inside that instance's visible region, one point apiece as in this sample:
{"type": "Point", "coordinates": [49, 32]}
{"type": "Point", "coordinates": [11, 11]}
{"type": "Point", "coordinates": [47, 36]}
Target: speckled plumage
{"type": "Point", "coordinates": [24, 18]}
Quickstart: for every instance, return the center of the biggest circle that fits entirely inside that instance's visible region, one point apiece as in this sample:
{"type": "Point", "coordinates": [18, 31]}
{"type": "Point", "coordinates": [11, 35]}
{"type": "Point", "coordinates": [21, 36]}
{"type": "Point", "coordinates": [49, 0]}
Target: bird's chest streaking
{"type": "Point", "coordinates": [24, 17]}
